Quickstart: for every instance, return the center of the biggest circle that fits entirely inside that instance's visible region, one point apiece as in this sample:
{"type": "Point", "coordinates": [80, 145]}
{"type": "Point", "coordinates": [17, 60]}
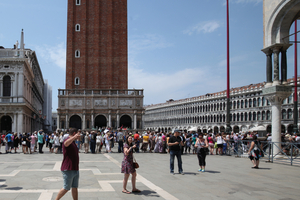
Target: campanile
{"type": "Point", "coordinates": [97, 44]}
{"type": "Point", "coordinates": [97, 94]}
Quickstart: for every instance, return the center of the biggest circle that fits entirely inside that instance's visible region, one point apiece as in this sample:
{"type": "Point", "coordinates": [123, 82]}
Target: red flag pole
{"type": "Point", "coordinates": [228, 77]}
{"type": "Point", "coordinates": [295, 82]}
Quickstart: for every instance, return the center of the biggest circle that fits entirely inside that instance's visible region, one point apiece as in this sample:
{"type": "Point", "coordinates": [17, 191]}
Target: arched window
{"type": "Point", "coordinates": [242, 117]}
{"type": "Point", "coordinates": [258, 116]}
{"type": "Point", "coordinates": [238, 117]}
{"type": "Point", "coordinates": [246, 116]}
{"type": "Point", "coordinates": [259, 102]}
{"type": "Point", "coordinates": [263, 101]}
{"type": "Point", "coordinates": [263, 115]}
{"type": "Point", "coordinates": [238, 104]}
{"type": "Point", "coordinates": [290, 114]}
{"type": "Point", "coordinates": [250, 103]}
{"type": "Point", "coordinates": [77, 27]}
{"type": "Point", "coordinates": [234, 105]}
{"type": "Point", "coordinates": [268, 115]}
{"type": "Point", "coordinates": [254, 102]}
{"type": "Point", "coordinates": [78, 2]}
{"type": "Point", "coordinates": [77, 54]}
{"type": "Point", "coordinates": [254, 116]}
{"type": "Point", "coordinates": [77, 81]}
{"type": "Point", "coordinates": [250, 116]}
{"type": "Point", "coordinates": [283, 114]}
{"type": "Point", "coordinates": [246, 103]}
{"type": "Point", "coordinates": [242, 104]}
{"type": "Point", "coordinates": [6, 86]}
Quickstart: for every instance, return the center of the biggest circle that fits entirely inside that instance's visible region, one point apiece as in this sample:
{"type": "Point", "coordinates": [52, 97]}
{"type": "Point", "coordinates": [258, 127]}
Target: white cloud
{"type": "Point", "coordinates": [147, 42]}
{"type": "Point", "coordinates": [205, 27]}
{"type": "Point", "coordinates": [53, 54]}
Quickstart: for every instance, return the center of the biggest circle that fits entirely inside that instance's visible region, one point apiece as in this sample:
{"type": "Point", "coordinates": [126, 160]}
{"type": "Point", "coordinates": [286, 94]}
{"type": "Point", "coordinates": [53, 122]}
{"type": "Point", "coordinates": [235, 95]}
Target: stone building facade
{"type": "Point", "coordinates": [249, 109]}
{"type": "Point", "coordinates": [97, 93]}
{"type": "Point", "coordinates": [21, 90]}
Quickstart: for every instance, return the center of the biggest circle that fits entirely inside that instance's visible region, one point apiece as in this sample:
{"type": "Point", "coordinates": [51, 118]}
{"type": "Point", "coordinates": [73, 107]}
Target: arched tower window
{"type": "Point", "coordinates": [77, 81]}
{"type": "Point", "coordinates": [77, 54]}
{"type": "Point", "coordinates": [6, 86]}
{"type": "Point", "coordinates": [77, 27]}
{"type": "Point", "coordinates": [78, 2]}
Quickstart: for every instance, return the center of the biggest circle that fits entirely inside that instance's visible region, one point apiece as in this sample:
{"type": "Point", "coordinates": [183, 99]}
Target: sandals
{"type": "Point", "coordinates": [136, 191]}
{"type": "Point", "coordinates": [126, 192]}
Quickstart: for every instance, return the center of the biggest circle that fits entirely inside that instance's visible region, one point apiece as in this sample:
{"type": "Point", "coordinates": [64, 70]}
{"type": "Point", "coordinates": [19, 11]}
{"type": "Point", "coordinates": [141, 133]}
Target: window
{"type": "Point", "coordinates": [6, 66]}
{"type": "Point", "coordinates": [54, 122]}
{"type": "Point", "coordinates": [283, 113]}
{"type": "Point", "coordinates": [290, 114]}
{"type": "Point", "coordinates": [6, 86]}
{"type": "Point", "coordinates": [78, 2]}
{"type": "Point", "coordinates": [263, 115]}
{"type": "Point", "coordinates": [246, 103]}
{"type": "Point", "coordinates": [268, 115]}
{"type": "Point", "coordinates": [254, 116]}
{"type": "Point", "coordinates": [250, 103]}
{"type": "Point", "coordinates": [77, 82]}
{"type": "Point", "coordinates": [77, 54]}
{"type": "Point", "coordinates": [258, 116]}
{"type": "Point", "coordinates": [77, 27]}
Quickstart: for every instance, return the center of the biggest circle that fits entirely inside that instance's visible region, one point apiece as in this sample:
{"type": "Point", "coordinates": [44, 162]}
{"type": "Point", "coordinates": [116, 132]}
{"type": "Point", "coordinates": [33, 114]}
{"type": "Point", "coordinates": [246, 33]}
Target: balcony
{"type": "Point", "coordinates": [82, 92]}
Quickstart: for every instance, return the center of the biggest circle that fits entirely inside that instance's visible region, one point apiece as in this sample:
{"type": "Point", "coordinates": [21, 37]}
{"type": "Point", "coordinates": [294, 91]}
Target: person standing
{"type": "Point", "coordinates": [255, 152]}
{"type": "Point", "coordinates": [70, 165]}
{"type": "Point", "coordinates": [120, 141]}
{"type": "Point", "coordinates": [175, 143]}
{"type": "Point", "coordinates": [127, 166]}
{"type": "Point", "coordinates": [40, 141]}
{"type": "Point", "coordinates": [137, 141]}
{"type": "Point", "coordinates": [93, 141]}
{"type": "Point", "coordinates": [9, 141]}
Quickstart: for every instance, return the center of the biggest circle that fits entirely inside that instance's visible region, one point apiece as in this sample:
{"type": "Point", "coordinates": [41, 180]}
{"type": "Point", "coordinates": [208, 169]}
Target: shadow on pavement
{"type": "Point", "coordinates": [212, 172]}
{"type": "Point", "coordinates": [14, 188]}
{"type": "Point", "coordinates": [147, 193]}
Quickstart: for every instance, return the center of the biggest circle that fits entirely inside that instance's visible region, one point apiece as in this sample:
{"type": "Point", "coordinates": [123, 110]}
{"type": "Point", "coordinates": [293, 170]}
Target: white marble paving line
{"type": "Point", "coordinates": [49, 192]}
{"type": "Point", "coordinates": [15, 172]}
{"type": "Point", "coordinates": [2, 183]}
{"type": "Point", "coordinates": [104, 161]}
{"type": "Point", "coordinates": [164, 194]}
{"type": "Point", "coordinates": [47, 195]}
{"type": "Point", "coordinates": [57, 166]}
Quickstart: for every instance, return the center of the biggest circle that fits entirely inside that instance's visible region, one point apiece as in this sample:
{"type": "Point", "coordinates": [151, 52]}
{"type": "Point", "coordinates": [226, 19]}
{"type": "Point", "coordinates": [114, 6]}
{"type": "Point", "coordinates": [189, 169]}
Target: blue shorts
{"type": "Point", "coordinates": [71, 179]}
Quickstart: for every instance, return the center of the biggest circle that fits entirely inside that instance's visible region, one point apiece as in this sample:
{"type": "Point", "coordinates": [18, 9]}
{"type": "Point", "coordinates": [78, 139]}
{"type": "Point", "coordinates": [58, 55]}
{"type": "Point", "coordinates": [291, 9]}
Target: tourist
{"type": "Point", "coordinates": [70, 165]}
{"type": "Point", "coordinates": [40, 141]}
{"type": "Point", "coordinates": [211, 144]}
{"type": "Point", "coordinates": [120, 136]}
{"type": "Point", "coordinates": [98, 142]}
{"type": "Point", "coordinates": [174, 144]}
{"type": "Point", "coordinates": [201, 145]}
{"type": "Point", "coordinates": [16, 142]}
{"type": "Point", "coordinates": [255, 152]}
{"type": "Point", "coordinates": [188, 143]}
{"type": "Point", "coordinates": [9, 142]}
{"type": "Point", "coordinates": [93, 141]}
{"type": "Point", "coordinates": [107, 143]}
{"type": "Point", "coordinates": [151, 141]}
{"type": "Point", "coordinates": [219, 139]}
{"type": "Point", "coordinates": [33, 139]}
{"type": "Point", "coordinates": [137, 141]}
{"type": "Point", "coordinates": [145, 142]}
{"type": "Point", "coordinates": [86, 142]}
{"type": "Point", "coordinates": [127, 166]}
{"type": "Point", "coordinates": [50, 143]}
{"type": "Point", "coordinates": [56, 140]}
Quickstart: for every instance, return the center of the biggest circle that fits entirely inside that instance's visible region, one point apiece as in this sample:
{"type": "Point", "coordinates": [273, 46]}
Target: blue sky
{"type": "Point", "coordinates": [176, 48]}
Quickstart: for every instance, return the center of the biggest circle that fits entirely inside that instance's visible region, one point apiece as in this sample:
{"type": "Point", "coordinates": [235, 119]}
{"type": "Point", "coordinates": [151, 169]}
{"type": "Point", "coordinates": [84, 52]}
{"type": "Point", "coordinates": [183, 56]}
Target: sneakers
{"type": "Point", "coordinates": [172, 173]}
{"type": "Point", "coordinates": [199, 170]}
{"type": "Point", "coordinates": [203, 170]}
{"type": "Point", "coordinates": [181, 173]}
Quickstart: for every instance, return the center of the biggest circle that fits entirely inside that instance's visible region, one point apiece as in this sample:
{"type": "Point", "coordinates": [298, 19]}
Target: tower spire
{"type": "Point", "coordinates": [22, 45]}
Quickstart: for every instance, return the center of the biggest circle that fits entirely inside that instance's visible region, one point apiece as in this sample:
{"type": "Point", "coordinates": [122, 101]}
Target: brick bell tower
{"type": "Point", "coordinates": [97, 94]}
{"type": "Point", "coordinates": [97, 44]}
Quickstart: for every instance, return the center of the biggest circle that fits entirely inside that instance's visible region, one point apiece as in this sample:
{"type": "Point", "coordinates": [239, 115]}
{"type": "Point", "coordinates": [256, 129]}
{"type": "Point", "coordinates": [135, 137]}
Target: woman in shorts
{"type": "Point", "coordinates": [255, 152]}
{"type": "Point", "coordinates": [220, 143]}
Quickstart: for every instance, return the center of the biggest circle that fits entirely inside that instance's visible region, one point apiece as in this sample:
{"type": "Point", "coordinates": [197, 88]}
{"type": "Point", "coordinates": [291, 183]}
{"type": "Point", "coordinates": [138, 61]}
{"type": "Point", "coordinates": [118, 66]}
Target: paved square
{"type": "Point", "coordinates": [38, 177]}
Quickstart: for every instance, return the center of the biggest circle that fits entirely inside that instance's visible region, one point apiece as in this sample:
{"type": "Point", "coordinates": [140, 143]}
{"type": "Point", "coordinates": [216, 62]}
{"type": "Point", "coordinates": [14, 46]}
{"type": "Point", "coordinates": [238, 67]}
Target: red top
{"type": "Point", "coordinates": [71, 158]}
{"type": "Point", "coordinates": [136, 136]}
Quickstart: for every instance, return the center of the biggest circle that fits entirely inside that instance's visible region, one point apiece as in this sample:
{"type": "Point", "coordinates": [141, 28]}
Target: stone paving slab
{"type": "Point", "coordinates": [38, 176]}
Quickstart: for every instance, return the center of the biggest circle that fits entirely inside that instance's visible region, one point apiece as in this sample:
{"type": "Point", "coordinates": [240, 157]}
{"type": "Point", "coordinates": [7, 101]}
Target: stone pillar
{"type": "Point", "coordinates": [92, 120]}
{"type": "Point", "coordinates": [276, 51]}
{"type": "Point", "coordinates": [134, 121]}
{"type": "Point", "coordinates": [118, 119]}
{"type": "Point", "coordinates": [58, 122]}
{"type": "Point", "coordinates": [276, 95]}
{"type": "Point", "coordinates": [14, 125]}
{"type": "Point", "coordinates": [20, 123]}
{"type": "Point", "coordinates": [283, 66]}
{"type": "Point", "coordinates": [83, 122]}
{"type": "Point", "coordinates": [109, 119]}
{"type": "Point", "coordinates": [67, 122]}
{"type": "Point", "coordinates": [1, 88]}
{"type": "Point", "coordinates": [269, 68]}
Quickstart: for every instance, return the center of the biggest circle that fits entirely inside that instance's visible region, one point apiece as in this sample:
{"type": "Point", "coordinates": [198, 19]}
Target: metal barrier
{"type": "Point", "coordinates": [287, 152]}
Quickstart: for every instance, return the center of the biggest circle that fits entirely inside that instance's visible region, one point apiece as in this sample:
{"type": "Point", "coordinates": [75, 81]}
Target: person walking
{"type": "Point", "coordinates": [40, 141]}
{"type": "Point", "coordinates": [201, 144]}
{"type": "Point", "coordinates": [70, 165]}
{"type": "Point", "coordinates": [127, 166]}
{"type": "Point", "coordinates": [255, 152]}
{"type": "Point", "coordinates": [174, 143]}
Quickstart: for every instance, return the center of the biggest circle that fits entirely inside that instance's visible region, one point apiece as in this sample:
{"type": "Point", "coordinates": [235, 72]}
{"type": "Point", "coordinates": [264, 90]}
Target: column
{"type": "Point", "coordinates": [92, 120]}
{"type": "Point", "coordinates": [269, 68]}
{"type": "Point", "coordinates": [20, 87]}
{"type": "Point", "coordinates": [109, 119]}
{"type": "Point", "coordinates": [20, 123]}
{"type": "Point", "coordinates": [283, 66]}
{"type": "Point", "coordinates": [276, 65]}
{"type": "Point", "coordinates": [134, 121]}
{"type": "Point", "coordinates": [14, 125]}
{"type": "Point", "coordinates": [1, 88]}
{"type": "Point", "coordinates": [118, 119]}
{"type": "Point", "coordinates": [67, 122]}
{"type": "Point", "coordinates": [58, 122]}
{"type": "Point", "coordinates": [83, 122]}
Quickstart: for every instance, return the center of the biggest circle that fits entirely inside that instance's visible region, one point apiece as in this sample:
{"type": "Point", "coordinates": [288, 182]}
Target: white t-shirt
{"type": "Point", "coordinates": [98, 138]}
{"type": "Point", "coordinates": [219, 140]}
{"type": "Point", "coordinates": [56, 141]}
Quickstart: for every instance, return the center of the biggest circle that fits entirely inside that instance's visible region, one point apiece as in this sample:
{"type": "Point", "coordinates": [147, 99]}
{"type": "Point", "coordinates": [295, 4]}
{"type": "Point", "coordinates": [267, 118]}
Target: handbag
{"type": "Point", "coordinates": [135, 164]}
